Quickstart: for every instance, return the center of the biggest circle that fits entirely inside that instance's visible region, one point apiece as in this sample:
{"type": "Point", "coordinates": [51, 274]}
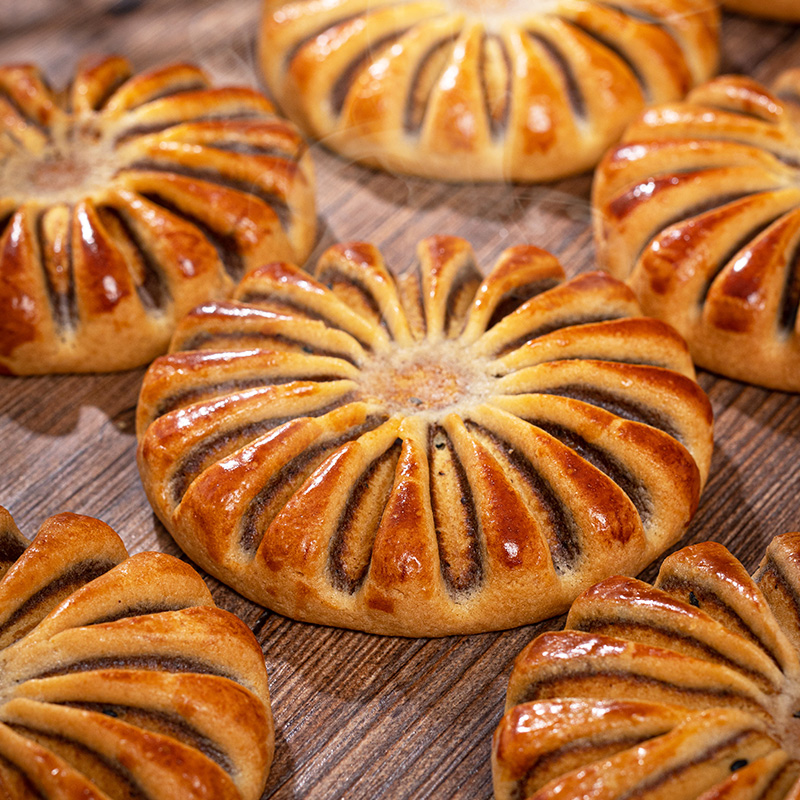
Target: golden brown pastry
{"type": "Point", "coordinates": [126, 200]}
{"type": "Point", "coordinates": [686, 689]}
{"type": "Point", "coordinates": [120, 677]}
{"type": "Point", "coordinates": [426, 455]}
{"type": "Point", "coordinates": [481, 90]}
{"type": "Point", "coordinates": [786, 10]}
{"type": "Point", "coordinates": [699, 209]}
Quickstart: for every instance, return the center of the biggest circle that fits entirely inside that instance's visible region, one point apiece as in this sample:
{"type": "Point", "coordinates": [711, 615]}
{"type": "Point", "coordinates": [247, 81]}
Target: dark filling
{"type": "Point", "coordinates": [455, 516]}
{"type": "Point", "coordinates": [617, 405]}
{"type": "Point", "coordinates": [562, 531]}
{"type": "Point", "coordinates": [574, 93]}
{"type": "Point", "coordinates": [359, 522]}
{"type": "Point", "coordinates": [607, 463]}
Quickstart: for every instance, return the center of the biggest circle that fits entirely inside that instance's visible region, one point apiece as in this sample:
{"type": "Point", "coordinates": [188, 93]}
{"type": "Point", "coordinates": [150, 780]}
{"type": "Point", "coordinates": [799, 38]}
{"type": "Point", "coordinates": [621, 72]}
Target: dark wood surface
{"type": "Point", "coordinates": [361, 716]}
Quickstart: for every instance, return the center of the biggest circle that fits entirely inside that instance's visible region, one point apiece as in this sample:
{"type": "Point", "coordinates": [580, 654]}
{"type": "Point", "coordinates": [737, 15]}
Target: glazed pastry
{"type": "Point", "coordinates": [481, 90]}
{"type": "Point", "coordinates": [699, 210]}
{"type": "Point", "coordinates": [127, 200]}
{"type": "Point", "coordinates": [686, 689]}
{"type": "Point", "coordinates": [120, 676]}
{"type": "Point", "coordinates": [786, 10]}
{"type": "Point", "coordinates": [433, 454]}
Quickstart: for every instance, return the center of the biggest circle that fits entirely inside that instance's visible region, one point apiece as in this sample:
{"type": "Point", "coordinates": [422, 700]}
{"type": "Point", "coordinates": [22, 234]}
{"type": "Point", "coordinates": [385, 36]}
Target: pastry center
{"type": "Point", "coordinates": [71, 165]}
{"type": "Point", "coordinates": [508, 9]}
{"type": "Point", "coordinates": [427, 378]}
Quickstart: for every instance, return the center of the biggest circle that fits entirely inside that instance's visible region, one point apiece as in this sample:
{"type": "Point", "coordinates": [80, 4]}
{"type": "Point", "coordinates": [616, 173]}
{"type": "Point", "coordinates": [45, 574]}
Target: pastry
{"type": "Point", "coordinates": [481, 90]}
{"type": "Point", "coordinates": [686, 689]}
{"type": "Point", "coordinates": [699, 210]}
{"type": "Point", "coordinates": [433, 454]}
{"type": "Point", "coordinates": [120, 676]}
{"type": "Point", "coordinates": [786, 10]}
{"type": "Point", "coordinates": [126, 200]}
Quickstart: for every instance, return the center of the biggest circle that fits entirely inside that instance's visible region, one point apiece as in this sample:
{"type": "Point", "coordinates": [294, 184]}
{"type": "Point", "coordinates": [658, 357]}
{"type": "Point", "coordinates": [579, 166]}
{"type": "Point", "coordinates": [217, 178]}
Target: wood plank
{"type": "Point", "coordinates": [359, 715]}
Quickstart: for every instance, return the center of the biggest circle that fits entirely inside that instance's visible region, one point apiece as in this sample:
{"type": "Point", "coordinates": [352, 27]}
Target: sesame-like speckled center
{"type": "Point", "coordinates": [78, 161]}
{"type": "Point", "coordinates": [430, 378]}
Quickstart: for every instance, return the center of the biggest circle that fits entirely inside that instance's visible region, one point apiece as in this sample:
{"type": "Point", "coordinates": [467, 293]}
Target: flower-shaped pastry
{"type": "Point", "coordinates": [120, 678]}
{"type": "Point", "coordinates": [699, 210]}
{"type": "Point", "coordinates": [686, 689]}
{"type": "Point", "coordinates": [428, 455]}
{"type": "Point", "coordinates": [127, 200]}
{"type": "Point", "coordinates": [481, 90]}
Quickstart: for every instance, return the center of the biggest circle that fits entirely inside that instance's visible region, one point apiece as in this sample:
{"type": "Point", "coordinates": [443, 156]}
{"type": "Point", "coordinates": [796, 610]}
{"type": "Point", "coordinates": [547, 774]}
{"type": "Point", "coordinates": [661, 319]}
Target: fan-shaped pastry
{"type": "Point", "coordinates": [787, 10]}
{"type": "Point", "coordinates": [426, 455]}
{"type": "Point", "coordinates": [686, 689]}
{"type": "Point", "coordinates": [127, 200]}
{"type": "Point", "coordinates": [699, 210]}
{"type": "Point", "coordinates": [120, 677]}
{"type": "Point", "coordinates": [481, 90]}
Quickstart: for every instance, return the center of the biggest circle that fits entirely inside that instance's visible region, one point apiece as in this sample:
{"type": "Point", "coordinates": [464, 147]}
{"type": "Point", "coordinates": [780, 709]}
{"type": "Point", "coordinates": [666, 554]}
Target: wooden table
{"type": "Point", "coordinates": [357, 715]}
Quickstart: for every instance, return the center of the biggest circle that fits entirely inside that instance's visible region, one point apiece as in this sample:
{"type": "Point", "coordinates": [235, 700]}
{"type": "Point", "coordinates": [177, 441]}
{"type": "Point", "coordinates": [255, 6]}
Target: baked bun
{"type": "Point", "coordinates": [685, 689]}
{"type": "Point", "coordinates": [787, 10]}
{"type": "Point", "coordinates": [481, 90]}
{"type": "Point", "coordinates": [430, 455]}
{"type": "Point", "coordinates": [699, 210]}
{"type": "Point", "coordinates": [120, 677]}
{"type": "Point", "coordinates": [127, 200]}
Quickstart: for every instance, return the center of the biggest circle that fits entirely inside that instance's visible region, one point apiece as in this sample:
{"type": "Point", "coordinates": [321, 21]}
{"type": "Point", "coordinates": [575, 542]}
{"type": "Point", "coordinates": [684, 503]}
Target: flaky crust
{"type": "Point", "coordinates": [426, 455]}
{"type": "Point", "coordinates": [686, 689]}
{"type": "Point", "coordinates": [120, 677]}
{"type": "Point", "coordinates": [126, 200]}
{"type": "Point", "coordinates": [787, 10]}
{"type": "Point", "coordinates": [480, 90]}
{"type": "Point", "coordinates": [699, 210]}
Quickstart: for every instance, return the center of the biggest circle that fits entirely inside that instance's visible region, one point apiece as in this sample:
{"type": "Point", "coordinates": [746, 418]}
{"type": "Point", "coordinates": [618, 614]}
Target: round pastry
{"type": "Point", "coordinates": [787, 10]}
{"type": "Point", "coordinates": [481, 90]}
{"type": "Point", "coordinates": [120, 677]}
{"type": "Point", "coordinates": [433, 454]}
{"type": "Point", "coordinates": [127, 200]}
{"type": "Point", "coordinates": [699, 209]}
{"type": "Point", "coordinates": [686, 689]}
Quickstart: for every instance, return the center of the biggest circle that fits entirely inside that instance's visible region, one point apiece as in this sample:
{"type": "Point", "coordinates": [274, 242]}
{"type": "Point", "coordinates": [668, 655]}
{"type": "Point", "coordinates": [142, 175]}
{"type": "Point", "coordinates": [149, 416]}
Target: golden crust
{"type": "Point", "coordinates": [688, 688]}
{"type": "Point", "coordinates": [127, 200]}
{"type": "Point", "coordinates": [120, 675]}
{"type": "Point", "coordinates": [425, 455]}
{"type": "Point", "coordinates": [699, 210]}
{"type": "Point", "coordinates": [787, 10]}
{"type": "Point", "coordinates": [460, 90]}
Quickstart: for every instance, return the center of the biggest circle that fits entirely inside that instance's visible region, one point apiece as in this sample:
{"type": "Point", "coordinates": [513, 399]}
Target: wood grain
{"type": "Point", "coordinates": [361, 716]}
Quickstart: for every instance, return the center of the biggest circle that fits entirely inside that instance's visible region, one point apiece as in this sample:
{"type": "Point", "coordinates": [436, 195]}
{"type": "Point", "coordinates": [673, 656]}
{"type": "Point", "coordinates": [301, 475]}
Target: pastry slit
{"type": "Point", "coordinates": [39, 604]}
{"type": "Point", "coordinates": [790, 301]}
{"type": "Point", "coordinates": [607, 463]}
{"type": "Point", "coordinates": [573, 89]}
{"type": "Point", "coordinates": [351, 544]}
{"type": "Point", "coordinates": [63, 304]}
{"type": "Point", "coordinates": [455, 517]}
{"type": "Point", "coordinates": [223, 444]}
{"type": "Point", "coordinates": [561, 532]}
{"type": "Point", "coordinates": [286, 481]}
{"type": "Point", "coordinates": [619, 52]}
{"type": "Point", "coordinates": [617, 405]}
{"type": "Point", "coordinates": [227, 251]}
{"type": "Point", "coordinates": [150, 282]}
{"type": "Point", "coordinates": [275, 201]}
{"type": "Point", "coordinates": [557, 324]}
